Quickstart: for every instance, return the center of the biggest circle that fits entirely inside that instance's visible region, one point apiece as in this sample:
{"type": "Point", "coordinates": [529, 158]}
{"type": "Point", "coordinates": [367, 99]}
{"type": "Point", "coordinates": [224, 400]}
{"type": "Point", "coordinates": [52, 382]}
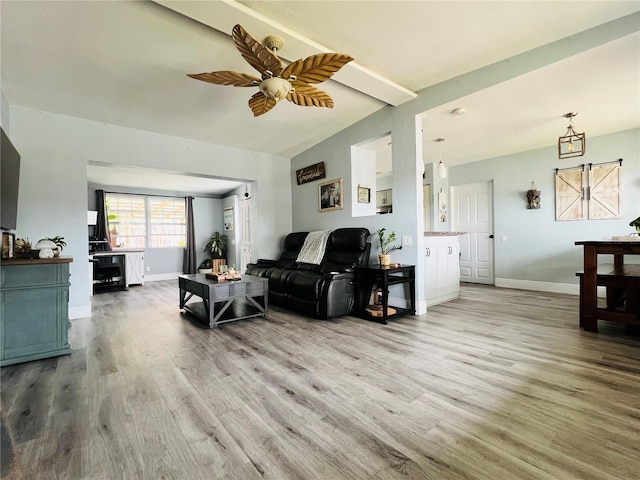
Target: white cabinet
{"type": "Point", "coordinates": [384, 198]}
{"type": "Point", "coordinates": [442, 268]}
{"type": "Point", "coordinates": [134, 268]}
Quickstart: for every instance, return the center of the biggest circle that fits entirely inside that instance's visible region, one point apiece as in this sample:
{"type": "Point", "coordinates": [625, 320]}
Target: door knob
{"type": "Point", "coordinates": [490, 236]}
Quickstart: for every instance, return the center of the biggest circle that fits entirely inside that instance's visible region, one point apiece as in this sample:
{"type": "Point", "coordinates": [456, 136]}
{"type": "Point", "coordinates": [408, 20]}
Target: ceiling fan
{"type": "Point", "coordinates": [276, 81]}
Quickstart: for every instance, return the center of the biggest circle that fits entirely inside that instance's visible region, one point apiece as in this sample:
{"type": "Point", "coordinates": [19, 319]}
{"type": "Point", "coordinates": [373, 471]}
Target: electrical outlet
{"type": "Point", "coordinates": [148, 269]}
{"type": "Point", "coordinates": [406, 240]}
{"type": "Point", "coordinates": [504, 238]}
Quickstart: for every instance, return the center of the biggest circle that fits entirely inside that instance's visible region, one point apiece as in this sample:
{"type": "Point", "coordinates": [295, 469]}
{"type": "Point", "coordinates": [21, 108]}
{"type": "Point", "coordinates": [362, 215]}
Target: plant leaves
{"type": "Point", "coordinates": [226, 77]}
{"type": "Point", "coordinates": [261, 104]}
{"type": "Point", "coordinates": [316, 68]}
{"type": "Point", "coordinates": [309, 96]}
{"type": "Point", "coordinates": [256, 54]}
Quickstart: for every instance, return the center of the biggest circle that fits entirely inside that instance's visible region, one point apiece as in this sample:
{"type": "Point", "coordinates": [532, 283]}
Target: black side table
{"type": "Point", "coordinates": [366, 276]}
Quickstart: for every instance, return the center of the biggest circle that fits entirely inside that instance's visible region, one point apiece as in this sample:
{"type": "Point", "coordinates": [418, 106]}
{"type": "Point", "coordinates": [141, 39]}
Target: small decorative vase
{"type": "Point", "coordinates": [385, 260]}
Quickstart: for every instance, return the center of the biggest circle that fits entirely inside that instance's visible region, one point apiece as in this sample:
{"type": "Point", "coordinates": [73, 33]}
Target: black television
{"type": "Point", "coordinates": [9, 180]}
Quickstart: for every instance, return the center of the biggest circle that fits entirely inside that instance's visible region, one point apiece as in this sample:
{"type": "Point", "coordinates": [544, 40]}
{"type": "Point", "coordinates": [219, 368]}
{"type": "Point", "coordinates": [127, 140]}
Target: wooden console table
{"type": "Point", "coordinates": [620, 279]}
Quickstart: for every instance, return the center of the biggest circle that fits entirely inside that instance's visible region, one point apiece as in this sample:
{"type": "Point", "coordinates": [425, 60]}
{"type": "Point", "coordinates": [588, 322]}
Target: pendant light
{"type": "Point", "coordinates": [571, 144]}
{"type": "Point", "coordinates": [441, 170]}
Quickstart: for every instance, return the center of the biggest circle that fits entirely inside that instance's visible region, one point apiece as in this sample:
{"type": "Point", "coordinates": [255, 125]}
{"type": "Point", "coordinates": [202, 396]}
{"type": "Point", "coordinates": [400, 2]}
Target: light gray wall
{"type": "Point", "coordinates": [538, 247]}
{"type": "Point", "coordinates": [55, 150]}
{"type": "Point", "coordinates": [4, 113]}
{"type": "Point", "coordinates": [405, 128]}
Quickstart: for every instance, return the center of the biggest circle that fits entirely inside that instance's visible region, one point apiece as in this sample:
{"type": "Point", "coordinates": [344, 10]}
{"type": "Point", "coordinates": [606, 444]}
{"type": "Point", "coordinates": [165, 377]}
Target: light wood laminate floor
{"type": "Point", "coordinates": [499, 384]}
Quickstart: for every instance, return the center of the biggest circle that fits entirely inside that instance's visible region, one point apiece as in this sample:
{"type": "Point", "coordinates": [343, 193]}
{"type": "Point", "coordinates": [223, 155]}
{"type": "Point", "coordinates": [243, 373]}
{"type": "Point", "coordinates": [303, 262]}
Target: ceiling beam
{"type": "Point", "coordinates": [223, 15]}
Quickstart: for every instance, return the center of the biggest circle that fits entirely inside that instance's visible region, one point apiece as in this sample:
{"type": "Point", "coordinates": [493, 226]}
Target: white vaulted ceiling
{"type": "Point", "coordinates": [125, 63]}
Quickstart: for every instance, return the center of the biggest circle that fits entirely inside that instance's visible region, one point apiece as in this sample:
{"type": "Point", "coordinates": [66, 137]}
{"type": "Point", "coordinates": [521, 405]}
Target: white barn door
{"type": "Point", "coordinates": [472, 212]}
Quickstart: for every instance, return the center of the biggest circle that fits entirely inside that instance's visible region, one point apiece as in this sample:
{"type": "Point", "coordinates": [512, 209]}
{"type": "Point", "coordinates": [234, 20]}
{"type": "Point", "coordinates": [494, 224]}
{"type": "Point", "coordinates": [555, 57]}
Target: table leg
{"type": "Point", "coordinates": [589, 302]}
{"type": "Point", "coordinates": [412, 290]}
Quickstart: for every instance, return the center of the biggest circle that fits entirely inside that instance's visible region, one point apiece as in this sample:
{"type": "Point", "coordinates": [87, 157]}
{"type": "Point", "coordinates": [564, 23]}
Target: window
{"type": "Point", "coordinates": [167, 222]}
{"type": "Point", "coordinates": [137, 221]}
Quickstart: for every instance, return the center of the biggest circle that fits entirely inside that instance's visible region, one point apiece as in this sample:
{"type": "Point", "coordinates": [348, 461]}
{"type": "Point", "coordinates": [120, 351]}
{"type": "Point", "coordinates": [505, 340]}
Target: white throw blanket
{"type": "Point", "coordinates": [314, 245]}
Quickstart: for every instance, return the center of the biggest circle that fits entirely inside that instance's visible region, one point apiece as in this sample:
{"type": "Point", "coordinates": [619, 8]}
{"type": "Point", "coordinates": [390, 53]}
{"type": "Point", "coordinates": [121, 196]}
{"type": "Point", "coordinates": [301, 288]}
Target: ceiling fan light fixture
{"type": "Point", "coordinates": [276, 88]}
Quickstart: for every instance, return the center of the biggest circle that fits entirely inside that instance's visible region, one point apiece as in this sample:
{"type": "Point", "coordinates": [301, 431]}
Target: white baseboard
{"type": "Point", "coordinates": [161, 276]}
{"type": "Point", "coordinates": [537, 286]}
{"type": "Point", "coordinates": [82, 311]}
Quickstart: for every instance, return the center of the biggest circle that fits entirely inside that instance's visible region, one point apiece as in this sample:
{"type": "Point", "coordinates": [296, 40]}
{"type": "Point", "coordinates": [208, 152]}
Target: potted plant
{"type": "Point", "coordinates": [387, 246]}
{"type": "Point", "coordinates": [217, 245]}
{"type": "Point", "coordinates": [636, 224]}
{"type": "Point", "coordinates": [60, 244]}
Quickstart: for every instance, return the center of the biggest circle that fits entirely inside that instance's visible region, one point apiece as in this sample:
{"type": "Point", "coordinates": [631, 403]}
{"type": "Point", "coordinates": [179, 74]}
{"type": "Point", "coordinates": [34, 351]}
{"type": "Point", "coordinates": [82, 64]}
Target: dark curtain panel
{"type": "Point", "coordinates": [190, 254]}
{"type": "Point", "coordinates": [102, 225]}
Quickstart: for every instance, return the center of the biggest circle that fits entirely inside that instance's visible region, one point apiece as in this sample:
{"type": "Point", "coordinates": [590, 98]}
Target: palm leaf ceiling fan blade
{"type": "Point", "coordinates": [309, 96]}
{"type": "Point", "coordinates": [226, 77]}
{"type": "Point", "coordinates": [260, 104]}
{"type": "Point", "coordinates": [276, 82]}
{"type": "Point", "coordinates": [316, 68]}
{"type": "Point", "coordinates": [256, 54]}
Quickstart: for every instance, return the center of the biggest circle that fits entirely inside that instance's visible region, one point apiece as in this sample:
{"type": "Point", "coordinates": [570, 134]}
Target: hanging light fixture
{"type": "Point", "coordinates": [571, 144]}
{"type": "Point", "coordinates": [441, 170]}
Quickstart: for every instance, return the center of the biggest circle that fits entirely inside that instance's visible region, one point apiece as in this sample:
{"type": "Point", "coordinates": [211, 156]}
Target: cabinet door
{"type": "Point", "coordinates": [450, 272]}
{"type": "Point", "coordinates": [31, 321]}
{"type": "Point", "coordinates": [442, 272]}
{"type": "Point", "coordinates": [431, 271]}
{"type": "Point", "coordinates": [135, 268]}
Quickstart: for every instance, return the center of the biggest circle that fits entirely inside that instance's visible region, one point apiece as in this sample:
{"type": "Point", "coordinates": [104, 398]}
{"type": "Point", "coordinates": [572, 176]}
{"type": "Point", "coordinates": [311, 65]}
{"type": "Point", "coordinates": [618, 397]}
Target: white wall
{"type": "Point", "coordinates": [55, 149]}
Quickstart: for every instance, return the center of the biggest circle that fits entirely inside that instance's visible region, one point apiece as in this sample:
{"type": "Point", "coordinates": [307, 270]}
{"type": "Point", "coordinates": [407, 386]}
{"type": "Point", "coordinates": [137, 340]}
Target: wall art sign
{"type": "Point", "coordinates": [310, 173]}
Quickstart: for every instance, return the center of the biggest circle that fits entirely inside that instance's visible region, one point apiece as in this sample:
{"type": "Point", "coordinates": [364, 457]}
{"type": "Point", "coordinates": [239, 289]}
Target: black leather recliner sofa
{"type": "Point", "coordinates": [323, 291]}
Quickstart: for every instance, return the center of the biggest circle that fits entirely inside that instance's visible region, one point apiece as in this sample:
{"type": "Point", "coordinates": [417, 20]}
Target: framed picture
{"type": "Point", "coordinates": [330, 195]}
{"type": "Point", "coordinates": [364, 194]}
{"type": "Point", "coordinates": [442, 202]}
{"type": "Point", "coordinates": [228, 219]}
{"type": "Point", "coordinates": [8, 243]}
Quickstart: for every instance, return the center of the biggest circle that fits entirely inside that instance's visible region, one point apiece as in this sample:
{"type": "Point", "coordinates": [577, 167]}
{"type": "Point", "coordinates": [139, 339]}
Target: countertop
{"type": "Point", "coordinates": [117, 251]}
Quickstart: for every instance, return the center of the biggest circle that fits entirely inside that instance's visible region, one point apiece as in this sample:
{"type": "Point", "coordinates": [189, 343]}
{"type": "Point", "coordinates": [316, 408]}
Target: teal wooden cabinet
{"type": "Point", "coordinates": [34, 319]}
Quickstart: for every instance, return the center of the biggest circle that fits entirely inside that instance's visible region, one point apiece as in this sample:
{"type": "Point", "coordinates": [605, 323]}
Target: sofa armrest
{"type": "Point", "coordinates": [344, 273]}
{"type": "Point", "coordinates": [263, 262]}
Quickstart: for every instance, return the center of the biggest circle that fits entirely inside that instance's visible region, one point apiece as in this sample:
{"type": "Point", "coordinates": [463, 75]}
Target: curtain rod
{"type": "Point", "coordinates": [150, 195]}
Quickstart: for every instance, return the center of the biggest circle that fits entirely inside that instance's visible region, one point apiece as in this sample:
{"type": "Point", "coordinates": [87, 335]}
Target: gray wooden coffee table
{"type": "Point", "coordinates": [225, 301]}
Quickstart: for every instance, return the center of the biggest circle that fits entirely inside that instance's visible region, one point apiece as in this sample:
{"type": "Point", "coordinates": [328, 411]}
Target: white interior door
{"type": "Point", "coordinates": [472, 212]}
{"type": "Point", "coordinates": [246, 234]}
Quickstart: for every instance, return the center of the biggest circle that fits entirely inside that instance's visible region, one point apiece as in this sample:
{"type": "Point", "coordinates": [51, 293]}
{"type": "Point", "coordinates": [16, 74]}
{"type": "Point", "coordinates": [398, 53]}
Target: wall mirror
{"type": "Point", "coordinates": [372, 177]}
